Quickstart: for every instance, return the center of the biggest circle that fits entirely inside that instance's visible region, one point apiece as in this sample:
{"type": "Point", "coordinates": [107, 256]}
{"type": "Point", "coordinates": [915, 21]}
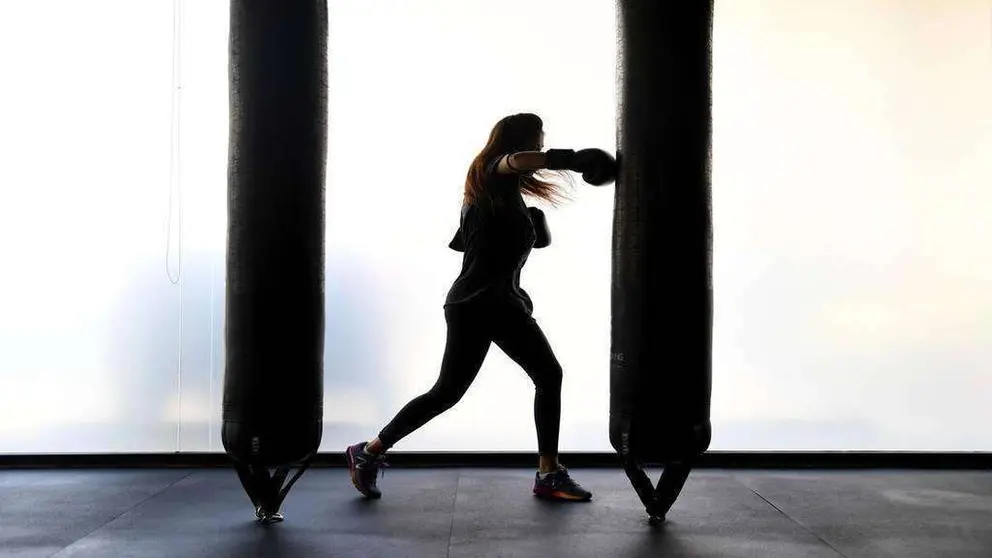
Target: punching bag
{"type": "Point", "coordinates": [662, 295]}
{"type": "Point", "coordinates": [273, 377]}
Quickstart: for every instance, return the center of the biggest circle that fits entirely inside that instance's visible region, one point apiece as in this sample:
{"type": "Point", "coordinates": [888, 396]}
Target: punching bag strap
{"type": "Point", "coordinates": [638, 478]}
{"type": "Point", "coordinates": [266, 491]}
{"type": "Point", "coordinates": [258, 487]}
{"type": "Point", "coordinates": [641, 483]}
{"type": "Point", "coordinates": [284, 471]}
{"type": "Point", "coordinates": [658, 499]}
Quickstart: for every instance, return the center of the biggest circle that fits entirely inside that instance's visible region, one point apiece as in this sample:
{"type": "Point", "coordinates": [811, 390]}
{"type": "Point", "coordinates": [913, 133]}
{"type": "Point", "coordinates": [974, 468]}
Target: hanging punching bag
{"type": "Point", "coordinates": [273, 378]}
{"type": "Point", "coordinates": [662, 296]}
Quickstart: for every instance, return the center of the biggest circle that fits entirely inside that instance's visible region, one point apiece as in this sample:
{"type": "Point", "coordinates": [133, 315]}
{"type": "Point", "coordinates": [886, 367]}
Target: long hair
{"type": "Point", "coordinates": [517, 132]}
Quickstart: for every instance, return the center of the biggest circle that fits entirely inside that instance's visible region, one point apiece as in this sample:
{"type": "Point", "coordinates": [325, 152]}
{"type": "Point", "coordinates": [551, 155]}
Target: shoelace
{"type": "Point", "coordinates": [566, 481]}
{"type": "Point", "coordinates": [561, 478]}
{"type": "Point", "coordinates": [376, 462]}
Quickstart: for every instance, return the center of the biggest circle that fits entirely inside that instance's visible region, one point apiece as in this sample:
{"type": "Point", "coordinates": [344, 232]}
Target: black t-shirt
{"type": "Point", "coordinates": [498, 235]}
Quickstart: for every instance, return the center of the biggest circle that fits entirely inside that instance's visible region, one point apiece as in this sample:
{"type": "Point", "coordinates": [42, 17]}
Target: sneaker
{"type": "Point", "coordinates": [364, 468]}
{"type": "Point", "coordinates": [559, 485]}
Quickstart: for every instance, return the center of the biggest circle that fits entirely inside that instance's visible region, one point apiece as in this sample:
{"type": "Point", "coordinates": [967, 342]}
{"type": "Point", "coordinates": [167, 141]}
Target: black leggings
{"type": "Point", "coordinates": [472, 327]}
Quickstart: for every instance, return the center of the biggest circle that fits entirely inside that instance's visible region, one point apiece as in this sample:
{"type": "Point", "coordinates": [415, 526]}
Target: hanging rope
{"type": "Point", "coordinates": [175, 182]}
{"type": "Point", "coordinates": [176, 193]}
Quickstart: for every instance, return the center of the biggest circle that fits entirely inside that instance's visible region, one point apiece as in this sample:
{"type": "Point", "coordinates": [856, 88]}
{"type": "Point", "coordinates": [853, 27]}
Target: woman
{"type": "Point", "coordinates": [486, 304]}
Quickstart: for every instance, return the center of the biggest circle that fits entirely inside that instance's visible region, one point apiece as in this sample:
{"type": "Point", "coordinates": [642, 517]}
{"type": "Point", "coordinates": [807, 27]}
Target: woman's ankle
{"type": "Point", "coordinates": [547, 464]}
{"type": "Point", "coordinates": [374, 447]}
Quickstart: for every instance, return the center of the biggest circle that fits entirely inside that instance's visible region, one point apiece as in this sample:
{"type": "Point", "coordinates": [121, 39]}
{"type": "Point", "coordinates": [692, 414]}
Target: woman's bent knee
{"type": "Point", "coordinates": [444, 399]}
{"type": "Point", "coordinates": [549, 379]}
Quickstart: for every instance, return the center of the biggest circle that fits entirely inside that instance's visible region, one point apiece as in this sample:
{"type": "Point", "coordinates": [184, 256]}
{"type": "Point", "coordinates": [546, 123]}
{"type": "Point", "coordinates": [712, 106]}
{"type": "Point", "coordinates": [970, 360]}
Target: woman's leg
{"type": "Point", "coordinates": [466, 347]}
{"type": "Point", "coordinates": [519, 336]}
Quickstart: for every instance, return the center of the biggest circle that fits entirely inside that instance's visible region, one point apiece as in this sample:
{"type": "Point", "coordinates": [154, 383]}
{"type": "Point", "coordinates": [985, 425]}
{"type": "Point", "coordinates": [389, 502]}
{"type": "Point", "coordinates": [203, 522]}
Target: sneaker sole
{"type": "Point", "coordinates": [556, 495]}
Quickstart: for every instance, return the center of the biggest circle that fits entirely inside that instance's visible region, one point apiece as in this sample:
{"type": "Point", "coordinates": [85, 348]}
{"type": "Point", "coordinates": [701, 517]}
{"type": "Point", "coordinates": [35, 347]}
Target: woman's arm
{"type": "Point", "coordinates": [552, 159]}
{"type": "Point", "coordinates": [596, 166]}
{"type": "Point", "coordinates": [522, 161]}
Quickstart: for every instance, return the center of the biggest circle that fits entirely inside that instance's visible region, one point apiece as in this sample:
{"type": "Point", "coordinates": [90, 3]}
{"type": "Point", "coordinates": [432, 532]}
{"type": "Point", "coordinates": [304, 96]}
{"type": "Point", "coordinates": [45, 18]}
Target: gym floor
{"type": "Point", "coordinates": [490, 512]}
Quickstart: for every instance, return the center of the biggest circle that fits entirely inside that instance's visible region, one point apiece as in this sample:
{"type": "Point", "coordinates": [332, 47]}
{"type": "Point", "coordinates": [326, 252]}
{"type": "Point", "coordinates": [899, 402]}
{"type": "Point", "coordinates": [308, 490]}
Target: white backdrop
{"type": "Point", "coordinates": [851, 199]}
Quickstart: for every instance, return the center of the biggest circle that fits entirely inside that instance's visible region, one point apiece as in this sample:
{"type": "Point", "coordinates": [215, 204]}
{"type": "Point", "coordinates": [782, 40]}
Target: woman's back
{"type": "Point", "coordinates": [497, 235]}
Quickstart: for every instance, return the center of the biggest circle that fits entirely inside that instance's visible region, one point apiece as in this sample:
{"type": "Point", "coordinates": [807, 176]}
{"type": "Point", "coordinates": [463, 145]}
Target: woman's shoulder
{"type": "Point", "coordinates": [492, 162]}
{"type": "Point", "coordinates": [491, 176]}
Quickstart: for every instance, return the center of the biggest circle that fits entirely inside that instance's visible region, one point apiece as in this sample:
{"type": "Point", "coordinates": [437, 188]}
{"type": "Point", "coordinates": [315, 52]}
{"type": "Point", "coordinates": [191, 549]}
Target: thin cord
{"type": "Point", "coordinates": [179, 371]}
{"type": "Point", "coordinates": [175, 184]}
{"type": "Point", "coordinates": [210, 429]}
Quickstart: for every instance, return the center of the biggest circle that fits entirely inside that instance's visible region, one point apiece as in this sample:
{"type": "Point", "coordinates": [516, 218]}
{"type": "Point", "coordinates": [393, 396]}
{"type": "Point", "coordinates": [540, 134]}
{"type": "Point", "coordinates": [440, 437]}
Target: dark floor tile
{"type": "Point", "coordinates": [888, 513]}
{"type": "Point", "coordinates": [42, 511]}
{"type": "Point", "coordinates": [205, 513]}
{"type": "Point", "coordinates": [496, 515]}
{"type": "Point", "coordinates": [208, 514]}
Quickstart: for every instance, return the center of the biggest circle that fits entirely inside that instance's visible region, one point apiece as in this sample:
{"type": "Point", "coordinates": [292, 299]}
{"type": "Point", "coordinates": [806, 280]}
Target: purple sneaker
{"type": "Point", "coordinates": [364, 468]}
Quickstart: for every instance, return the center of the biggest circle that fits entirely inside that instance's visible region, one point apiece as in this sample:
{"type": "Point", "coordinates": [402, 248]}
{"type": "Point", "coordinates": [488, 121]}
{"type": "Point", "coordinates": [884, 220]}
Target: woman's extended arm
{"type": "Point", "coordinates": [525, 161]}
{"type": "Point", "coordinates": [522, 161]}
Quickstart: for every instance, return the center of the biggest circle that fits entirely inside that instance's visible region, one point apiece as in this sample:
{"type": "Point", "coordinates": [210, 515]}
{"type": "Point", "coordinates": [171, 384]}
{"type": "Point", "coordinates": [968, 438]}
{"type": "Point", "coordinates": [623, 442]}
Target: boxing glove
{"type": "Point", "coordinates": [597, 166]}
{"type": "Point", "coordinates": [540, 228]}
{"type": "Point", "coordinates": [559, 159]}
{"type": "Point", "coordinates": [457, 243]}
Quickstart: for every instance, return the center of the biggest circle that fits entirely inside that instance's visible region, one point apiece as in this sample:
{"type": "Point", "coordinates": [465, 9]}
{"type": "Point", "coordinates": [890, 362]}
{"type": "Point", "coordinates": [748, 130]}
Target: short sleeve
{"type": "Point", "coordinates": [490, 169]}
{"type": "Point", "coordinates": [469, 222]}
